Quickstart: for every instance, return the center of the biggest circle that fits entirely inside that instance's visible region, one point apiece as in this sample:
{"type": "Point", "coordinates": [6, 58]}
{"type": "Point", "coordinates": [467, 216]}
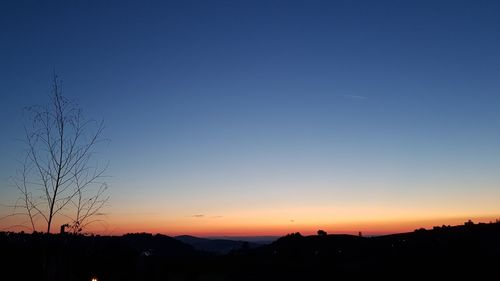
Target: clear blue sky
{"type": "Point", "coordinates": [224, 107]}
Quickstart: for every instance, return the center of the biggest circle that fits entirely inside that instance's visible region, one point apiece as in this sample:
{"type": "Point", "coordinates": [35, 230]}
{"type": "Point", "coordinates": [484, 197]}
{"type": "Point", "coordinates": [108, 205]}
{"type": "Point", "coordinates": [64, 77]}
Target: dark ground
{"type": "Point", "coordinates": [468, 251]}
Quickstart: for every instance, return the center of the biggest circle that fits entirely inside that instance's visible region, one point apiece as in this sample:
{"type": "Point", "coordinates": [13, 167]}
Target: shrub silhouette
{"type": "Point", "coordinates": [322, 233]}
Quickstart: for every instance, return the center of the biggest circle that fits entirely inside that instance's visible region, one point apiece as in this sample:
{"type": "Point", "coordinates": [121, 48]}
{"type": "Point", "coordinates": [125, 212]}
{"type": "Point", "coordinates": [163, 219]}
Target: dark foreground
{"type": "Point", "coordinates": [470, 251]}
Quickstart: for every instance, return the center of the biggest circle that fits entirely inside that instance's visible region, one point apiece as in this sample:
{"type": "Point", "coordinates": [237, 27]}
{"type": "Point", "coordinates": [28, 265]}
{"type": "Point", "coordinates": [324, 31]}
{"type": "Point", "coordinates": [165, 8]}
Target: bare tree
{"type": "Point", "coordinates": [58, 178]}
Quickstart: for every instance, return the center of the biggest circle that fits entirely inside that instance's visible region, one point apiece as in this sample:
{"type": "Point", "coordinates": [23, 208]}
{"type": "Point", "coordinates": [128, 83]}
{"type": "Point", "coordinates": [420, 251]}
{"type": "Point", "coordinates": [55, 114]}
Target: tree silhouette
{"type": "Point", "coordinates": [57, 178]}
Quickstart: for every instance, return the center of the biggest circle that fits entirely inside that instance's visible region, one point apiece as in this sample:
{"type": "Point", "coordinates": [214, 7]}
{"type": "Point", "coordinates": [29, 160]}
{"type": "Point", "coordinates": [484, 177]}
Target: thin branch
{"type": "Point", "coordinates": [56, 178]}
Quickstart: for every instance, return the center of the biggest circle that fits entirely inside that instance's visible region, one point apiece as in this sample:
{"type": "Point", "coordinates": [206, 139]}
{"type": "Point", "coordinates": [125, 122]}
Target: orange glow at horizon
{"type": "Point", "coordinates": [235, 226]}
{"type": "Point", "coordinates": [263, 228]}
{"type": "Point", "coordinates": [278, 220]}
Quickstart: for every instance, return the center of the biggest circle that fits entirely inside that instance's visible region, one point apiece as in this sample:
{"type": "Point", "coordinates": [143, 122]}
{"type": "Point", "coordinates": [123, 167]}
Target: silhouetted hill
{"type": "Point", "coordinates": [76, 257]}
{"type": "Point", "coordinates": [217, 246]}
{"type": "Point", "coordinates": [468, 251]}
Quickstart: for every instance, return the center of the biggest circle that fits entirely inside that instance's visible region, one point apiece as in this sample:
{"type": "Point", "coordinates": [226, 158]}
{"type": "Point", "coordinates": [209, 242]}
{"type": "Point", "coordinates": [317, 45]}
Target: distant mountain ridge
{"type": "Point", "coordinates": [216, 246]}
{"type": "Point", "coordinates": [158, 244]}
{"type": "Point", "coordinates": [254, 239]}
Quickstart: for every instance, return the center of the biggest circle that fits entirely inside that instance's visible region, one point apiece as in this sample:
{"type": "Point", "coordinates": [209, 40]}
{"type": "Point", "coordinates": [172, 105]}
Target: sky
{"type": "Point", "coordinates": [268, 117]}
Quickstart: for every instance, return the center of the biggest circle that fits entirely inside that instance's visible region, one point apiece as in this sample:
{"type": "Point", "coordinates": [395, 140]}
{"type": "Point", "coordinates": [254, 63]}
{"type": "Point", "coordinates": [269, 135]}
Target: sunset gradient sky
{"type": "Point", "coordinates": [267, 117]}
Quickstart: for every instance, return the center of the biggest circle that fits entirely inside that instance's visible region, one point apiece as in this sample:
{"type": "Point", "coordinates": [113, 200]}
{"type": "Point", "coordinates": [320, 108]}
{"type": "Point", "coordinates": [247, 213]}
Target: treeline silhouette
{"type": "Point", "coordinates": [446, 252]}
